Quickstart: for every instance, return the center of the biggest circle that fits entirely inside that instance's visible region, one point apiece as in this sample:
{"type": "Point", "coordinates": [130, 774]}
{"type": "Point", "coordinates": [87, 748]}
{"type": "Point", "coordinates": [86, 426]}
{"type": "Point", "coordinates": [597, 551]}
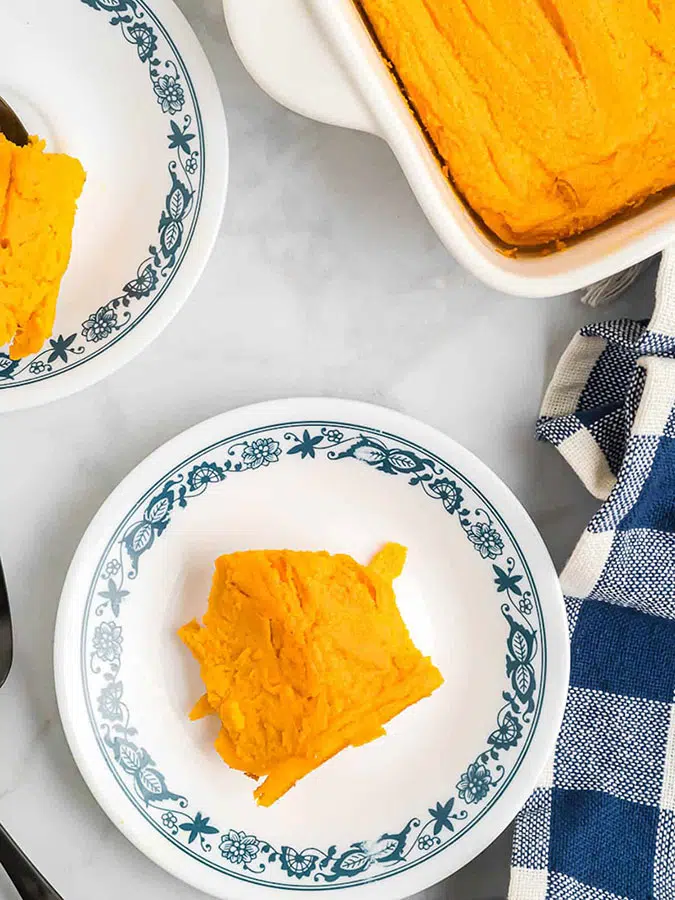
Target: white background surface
{"type": "Point", "coordinates": [326, 280]}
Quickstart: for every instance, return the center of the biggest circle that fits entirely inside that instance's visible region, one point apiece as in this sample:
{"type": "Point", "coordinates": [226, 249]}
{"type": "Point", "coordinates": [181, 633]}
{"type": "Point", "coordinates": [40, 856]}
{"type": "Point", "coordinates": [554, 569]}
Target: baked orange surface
{"type": "Point", "coordinates": [551, 115]}
{"type": "Point", "coordinates": [303, 654]}
{"type": "Point", "coordinates": [38, 197]}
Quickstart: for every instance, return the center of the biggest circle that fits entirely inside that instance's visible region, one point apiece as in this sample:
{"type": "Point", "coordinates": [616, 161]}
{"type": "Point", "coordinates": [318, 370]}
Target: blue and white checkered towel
{"type": "Point", "coordinates": [601, 823]}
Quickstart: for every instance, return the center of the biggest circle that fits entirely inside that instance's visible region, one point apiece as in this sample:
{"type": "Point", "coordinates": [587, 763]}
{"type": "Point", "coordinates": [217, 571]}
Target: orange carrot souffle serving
{"type": "Point", "coordinates": [38, 200]}
{"type": "Point", "coordinates": [303, 654]}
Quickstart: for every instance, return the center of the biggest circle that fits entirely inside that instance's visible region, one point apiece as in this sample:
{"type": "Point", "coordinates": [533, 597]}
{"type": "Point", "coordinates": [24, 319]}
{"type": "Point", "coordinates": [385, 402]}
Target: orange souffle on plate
{"type": "Point", "coordinates": [303, 654]}
{"type": "Point", "coordinates": [550, 115]}
{"type": "Point", "coordinates": [38, 200]}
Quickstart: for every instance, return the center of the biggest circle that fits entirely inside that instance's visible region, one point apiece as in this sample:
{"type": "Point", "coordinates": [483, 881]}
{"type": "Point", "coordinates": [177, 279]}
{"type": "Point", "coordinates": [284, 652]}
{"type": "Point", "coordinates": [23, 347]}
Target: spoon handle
{"type": "Point", "coordinates": [26, 878]}
{"type": "Point", "coordinates": [11, 125]}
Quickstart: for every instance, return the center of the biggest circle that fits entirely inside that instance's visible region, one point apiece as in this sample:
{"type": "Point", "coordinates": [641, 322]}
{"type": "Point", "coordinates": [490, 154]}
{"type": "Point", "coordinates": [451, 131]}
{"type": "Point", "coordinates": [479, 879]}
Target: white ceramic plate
{"type": "Point", "coordinates": [125, 86]}
{"type": "Point", "coordinates": [479, 594]}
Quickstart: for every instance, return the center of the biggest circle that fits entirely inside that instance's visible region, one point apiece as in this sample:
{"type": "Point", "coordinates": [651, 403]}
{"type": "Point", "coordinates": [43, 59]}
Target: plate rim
{"type": "Point", "coordinates": [267, 414]}
{"type": "Point", "coordinates": [206, 227]}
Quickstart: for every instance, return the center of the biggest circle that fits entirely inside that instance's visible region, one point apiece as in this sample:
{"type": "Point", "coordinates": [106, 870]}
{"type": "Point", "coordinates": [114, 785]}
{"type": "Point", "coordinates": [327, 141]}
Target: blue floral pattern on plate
{"type": "Point", "coordinates": [250, 856]}
{"type": "Point", "coordinates": [171, 85]}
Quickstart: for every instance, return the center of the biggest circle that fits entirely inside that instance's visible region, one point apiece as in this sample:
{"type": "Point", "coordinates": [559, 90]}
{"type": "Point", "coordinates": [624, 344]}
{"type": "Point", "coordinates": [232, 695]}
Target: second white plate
{"type": "Point", "coordinates": [478, 592]}
{"type": "Point", "coordinates": [124, 86]}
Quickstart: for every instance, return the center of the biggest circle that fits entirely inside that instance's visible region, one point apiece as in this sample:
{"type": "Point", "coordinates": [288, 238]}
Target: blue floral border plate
{"type": "Point", "coordinates": [125, 86]}
{"type": "Point", "coordinates": [479, 593]}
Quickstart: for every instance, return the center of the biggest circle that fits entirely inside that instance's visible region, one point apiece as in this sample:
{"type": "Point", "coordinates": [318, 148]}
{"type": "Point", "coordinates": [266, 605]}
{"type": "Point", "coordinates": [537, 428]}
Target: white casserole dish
{"type": "Point", "coordinates": [317, 58]}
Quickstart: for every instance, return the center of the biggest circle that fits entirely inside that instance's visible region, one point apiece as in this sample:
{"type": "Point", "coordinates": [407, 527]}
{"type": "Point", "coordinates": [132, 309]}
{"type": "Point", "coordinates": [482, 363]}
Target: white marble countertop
{"type": "Point", "coordinates": [326, 280]}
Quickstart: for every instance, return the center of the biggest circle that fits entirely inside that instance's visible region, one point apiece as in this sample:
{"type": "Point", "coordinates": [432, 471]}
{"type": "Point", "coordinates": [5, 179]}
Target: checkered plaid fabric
{"type": "Point", "coordinates": [601, 823]}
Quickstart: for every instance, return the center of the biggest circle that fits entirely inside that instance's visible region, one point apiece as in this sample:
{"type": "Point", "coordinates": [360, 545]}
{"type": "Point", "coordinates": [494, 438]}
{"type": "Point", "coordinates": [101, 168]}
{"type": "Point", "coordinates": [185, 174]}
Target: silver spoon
{"type": "Point", "coordinates": [27, 880]}
{"type": "Point", "coordinates": [11, 125]}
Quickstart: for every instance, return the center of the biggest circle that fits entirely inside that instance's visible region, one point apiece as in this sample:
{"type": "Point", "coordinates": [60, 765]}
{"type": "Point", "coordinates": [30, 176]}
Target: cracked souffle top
{"type": "Point", "coordinates": [551, 115]}
{"type": "Point", "coordinates": [303, 654]}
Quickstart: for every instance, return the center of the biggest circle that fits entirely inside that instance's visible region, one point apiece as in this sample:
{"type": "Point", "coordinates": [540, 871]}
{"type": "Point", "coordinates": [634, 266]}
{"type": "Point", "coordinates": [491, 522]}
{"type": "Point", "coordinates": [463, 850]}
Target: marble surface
{"type": "Point", "coordinates": [326, 280]}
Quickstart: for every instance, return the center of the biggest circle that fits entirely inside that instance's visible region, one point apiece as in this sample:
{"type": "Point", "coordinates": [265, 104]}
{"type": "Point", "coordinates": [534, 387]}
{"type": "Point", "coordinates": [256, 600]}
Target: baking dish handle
{"type": "Point", "coordinates": [285, 52]}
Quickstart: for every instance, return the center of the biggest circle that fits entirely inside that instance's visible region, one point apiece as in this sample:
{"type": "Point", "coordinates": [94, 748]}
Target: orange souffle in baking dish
{"type": "Point", "coordinates": [550, 115]}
